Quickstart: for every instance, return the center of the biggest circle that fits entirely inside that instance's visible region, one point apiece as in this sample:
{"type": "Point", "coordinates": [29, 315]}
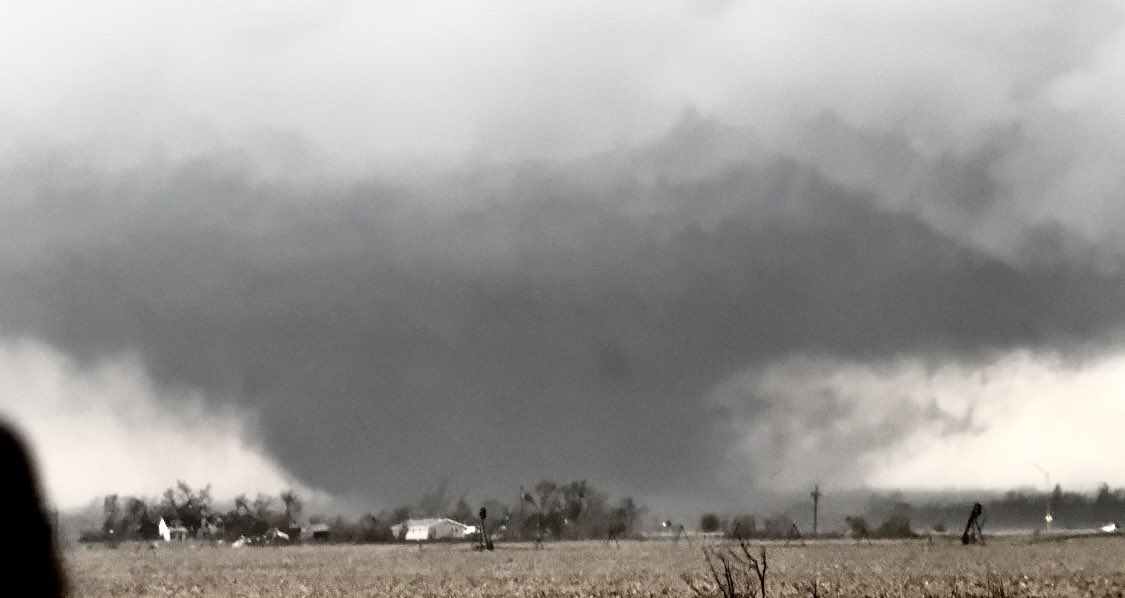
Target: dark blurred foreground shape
{"type": "Point", "coordinates": [973, 532]}
{"type": "Point", "coordinates": [31, 560]}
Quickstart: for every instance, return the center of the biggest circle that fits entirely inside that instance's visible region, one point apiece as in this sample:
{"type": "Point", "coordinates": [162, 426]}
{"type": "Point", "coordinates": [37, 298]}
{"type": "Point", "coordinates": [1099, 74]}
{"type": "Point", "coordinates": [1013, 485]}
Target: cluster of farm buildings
{"type": "Point", "coordinates": [411, 530]}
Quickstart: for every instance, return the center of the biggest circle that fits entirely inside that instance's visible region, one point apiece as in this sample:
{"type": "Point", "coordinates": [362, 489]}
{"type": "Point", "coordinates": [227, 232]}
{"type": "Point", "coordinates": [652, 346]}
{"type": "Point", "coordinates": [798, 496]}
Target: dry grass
{"type": "Point", "coordinates": [1091, 567]}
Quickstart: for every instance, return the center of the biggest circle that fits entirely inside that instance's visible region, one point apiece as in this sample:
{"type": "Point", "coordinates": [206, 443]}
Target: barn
{"type": "Point", "coordinates": [418, 530]}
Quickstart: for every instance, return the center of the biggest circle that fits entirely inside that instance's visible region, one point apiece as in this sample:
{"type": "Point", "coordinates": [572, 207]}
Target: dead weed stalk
{"type": "Point", "coordinates": [735, 573]}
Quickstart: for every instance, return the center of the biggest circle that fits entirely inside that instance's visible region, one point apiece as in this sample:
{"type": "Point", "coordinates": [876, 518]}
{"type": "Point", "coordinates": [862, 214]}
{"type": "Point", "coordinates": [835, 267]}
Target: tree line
{"type": "Point", "coordinates": [548, 510]}
{"type": "Point", "coordinates": [193, 510]}
{"type": "Point", "coordinates": [889, 515]}
{"type": "Point", "coordinates": [576, 510]}
{"type": "Point", "coordinates": [1028, 510]}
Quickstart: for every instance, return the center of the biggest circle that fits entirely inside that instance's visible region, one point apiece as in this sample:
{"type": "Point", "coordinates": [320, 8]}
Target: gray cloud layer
{"type": "Point", "coordinates": [569, 292]}
{"type": "Point", "coordinates": [566, 319]}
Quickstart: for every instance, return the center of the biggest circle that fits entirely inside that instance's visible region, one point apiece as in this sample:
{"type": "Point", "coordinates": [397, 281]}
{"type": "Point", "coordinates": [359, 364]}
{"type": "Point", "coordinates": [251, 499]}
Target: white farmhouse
{"type": "Point", "coordinates": [418, 530]}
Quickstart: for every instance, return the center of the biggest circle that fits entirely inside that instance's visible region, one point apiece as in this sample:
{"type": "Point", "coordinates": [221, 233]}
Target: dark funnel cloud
{"type": "Point", "coordinates": [563, 319]}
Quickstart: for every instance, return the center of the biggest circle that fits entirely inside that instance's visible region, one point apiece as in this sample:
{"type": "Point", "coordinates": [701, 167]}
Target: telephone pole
{"type": "Point", "coordinates": [815, 494]}
{"type": "Point", "coordinates": [1049, 517]}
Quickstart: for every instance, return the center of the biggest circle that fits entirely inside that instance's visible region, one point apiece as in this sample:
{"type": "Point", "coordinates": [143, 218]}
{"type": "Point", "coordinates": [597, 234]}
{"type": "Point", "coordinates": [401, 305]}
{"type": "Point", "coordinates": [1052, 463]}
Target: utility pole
{"type": "Point", "coordinates": [1049, 517]}
{"type": "Point", "coordinates": [523, 498]}
{"type": "Point", "coordinates": [485, 541]}
{"type": "Point", "coordinates": [815, 494]}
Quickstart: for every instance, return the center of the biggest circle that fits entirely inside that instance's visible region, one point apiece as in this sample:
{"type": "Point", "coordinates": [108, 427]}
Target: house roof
{"type": "Point", "coordinates": [318, 527]}
{"type": "Point", "coordinates": [429, 522]}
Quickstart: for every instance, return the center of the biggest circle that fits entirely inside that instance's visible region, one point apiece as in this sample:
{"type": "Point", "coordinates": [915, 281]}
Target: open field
{"type": "Point", "coordinates": [1085, 567]}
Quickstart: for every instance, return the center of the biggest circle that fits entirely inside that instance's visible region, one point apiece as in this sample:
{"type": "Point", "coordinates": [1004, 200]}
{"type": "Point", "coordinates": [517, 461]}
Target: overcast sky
{"type": "Point", "coordinates": [690, 251]}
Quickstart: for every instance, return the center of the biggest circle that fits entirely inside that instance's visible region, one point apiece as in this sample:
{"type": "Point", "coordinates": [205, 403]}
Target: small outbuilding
{"type": "Point", "coordinates": [319, 531]}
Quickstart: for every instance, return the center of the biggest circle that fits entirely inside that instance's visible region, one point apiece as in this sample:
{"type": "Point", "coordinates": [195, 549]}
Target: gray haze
{"type": "Point", "coordinates": [601, 310]}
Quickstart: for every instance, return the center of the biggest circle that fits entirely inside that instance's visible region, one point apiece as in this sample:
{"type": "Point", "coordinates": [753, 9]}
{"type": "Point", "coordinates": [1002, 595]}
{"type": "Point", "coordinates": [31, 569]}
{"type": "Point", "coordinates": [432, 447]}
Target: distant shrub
{"type": "Point", "coordinates": [895, 526]}
{"type": "Point", "coordinates": [742, 526]}
{"type": "Point", "coordinates": [857, 526]}
{"type": "Point", "coordinates": [709, 522]}
{"type": "Point", "coordinates": [778, 526]}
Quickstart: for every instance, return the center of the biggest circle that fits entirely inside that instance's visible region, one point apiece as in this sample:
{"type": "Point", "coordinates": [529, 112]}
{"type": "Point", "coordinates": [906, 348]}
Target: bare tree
{"type": "Point", "coordinates": [293, 506]}
{"type": "Point", "coordinates": [242, 504]}
{"type": "Point", "coordinates": [262, 506]}
{"type": "Point", "coordinates": [110, 509]}
{"type": "Point", "coordinates": [189, 506]}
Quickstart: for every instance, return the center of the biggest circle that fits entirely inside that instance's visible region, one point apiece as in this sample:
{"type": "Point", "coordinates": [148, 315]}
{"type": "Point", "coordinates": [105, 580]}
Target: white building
{"type": "Point", "coordinates": [418, 530]}
{"type": "Point", "coordinates": [169, 533]}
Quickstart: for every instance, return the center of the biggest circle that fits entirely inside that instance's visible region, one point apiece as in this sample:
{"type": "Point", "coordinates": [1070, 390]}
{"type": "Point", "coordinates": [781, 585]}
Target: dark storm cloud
{"type": "Point", "coordinates": [560, 319]}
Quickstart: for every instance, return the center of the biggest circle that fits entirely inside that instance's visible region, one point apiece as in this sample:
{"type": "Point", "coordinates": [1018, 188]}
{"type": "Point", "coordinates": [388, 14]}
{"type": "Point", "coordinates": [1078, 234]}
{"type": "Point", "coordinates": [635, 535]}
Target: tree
{"type": "Point", "coordinates": [400, 514]}
{"type": "Point", "coordinates": [1103, 496]}
{"type": "Point", "coordinates": [628, 513]}
{"type": "Point", "coordinates": [858, 526]}
{"type": "Point", "coordinates": [435, 502]}
{"type": "Point", "coordinates": [110, 509]}
{"type": "Point", "coordinates": [895, 526]}
{"type": "Point", "coordinates": [293, 507]}
{"type": "Point", "coordinates": [709, 522]}
{"type": "Point", "coordinates": [1055, 500]}
{"type": "Point", "coordinates": [462, 512]}
{"type": "Point", "coordinates": [262, 507]}
{"type": "Point", "coordinates": [546, 495]}
{"type": "Point", "coordinates": [499, 516]}
{"type": "Point", "coordinates": [574, 500]}
{"type": "Point", "coordinates": [242, 504]}
{"type": "Point", "coordinates": [188, 506]}
{"type": "Point", "coordinates": [135, 521]}
{"type": "Point", "coordinates": [252, 518]}
{"type": "Point", "coordinates": [373, 528]}
{"type": "Point", "coordinates": [778, 526]}
{"type": "Point", "coordinates": [742, 526]}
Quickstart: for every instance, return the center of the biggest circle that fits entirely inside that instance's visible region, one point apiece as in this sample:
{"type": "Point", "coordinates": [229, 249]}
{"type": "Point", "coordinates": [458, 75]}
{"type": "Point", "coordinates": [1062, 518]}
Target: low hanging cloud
{"type": "Point", "coordinates": [1022, 419]}
{"type": "Point", "coordinates": [1042, 420]}
{"type": "Point", "coordinates": [107, 428]}
{"type": "Point", "coordinates": [511, 257]}
{"type": "Point", "coordinates": [805, 419]}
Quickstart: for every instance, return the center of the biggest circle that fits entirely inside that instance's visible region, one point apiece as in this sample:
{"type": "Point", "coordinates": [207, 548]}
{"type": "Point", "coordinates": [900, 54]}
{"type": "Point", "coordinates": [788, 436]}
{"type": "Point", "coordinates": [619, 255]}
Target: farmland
{"type": "Point", "coordinates": [1010, 567]}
